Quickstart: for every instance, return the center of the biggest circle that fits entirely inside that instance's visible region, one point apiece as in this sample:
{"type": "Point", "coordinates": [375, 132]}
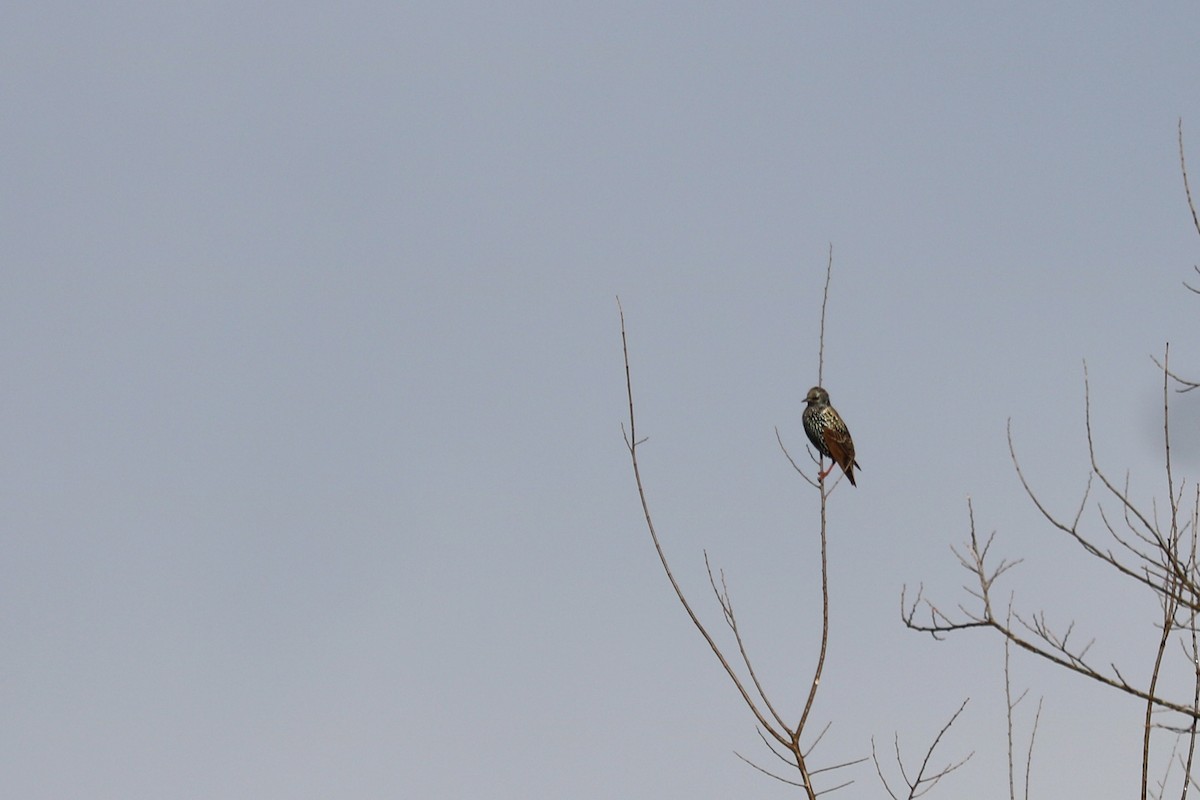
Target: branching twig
{"type": "Point", "coordinates": [731, 620]}
{"type": "Point", "coordinates": [921, 782]}
{"type": "Point", "coordinates": [1043, 640]}
{"type": "Point", "coordinates": [772, 728]}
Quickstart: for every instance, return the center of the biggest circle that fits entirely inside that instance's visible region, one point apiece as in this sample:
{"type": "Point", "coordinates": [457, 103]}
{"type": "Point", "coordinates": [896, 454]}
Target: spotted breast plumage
{"type": "Point", "coordinates": [829, 433]}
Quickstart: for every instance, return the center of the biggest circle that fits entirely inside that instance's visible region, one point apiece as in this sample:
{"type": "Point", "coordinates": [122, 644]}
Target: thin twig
{"type": "Point", "coordinates": [1009, 706]}
{"type": "Point", "coordinates": [824, 301]}
{"type": "Point", "coordinates": [1029, 755]}
{"type": "Point", "coordinates": [731, 620]}
{"type": "Point", "coordinates": [1186, 188]}
{"type": "Point", "coordinates": [768, 773]}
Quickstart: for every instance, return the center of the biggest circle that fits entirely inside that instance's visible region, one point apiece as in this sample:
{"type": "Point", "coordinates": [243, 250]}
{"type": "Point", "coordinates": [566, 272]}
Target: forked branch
{"type": "Point", "coordinates": [1157, 555]}
{"type": "Point", "coordinates": [771, 725]}
{"type": "Point", "coordinates": [924, 780]}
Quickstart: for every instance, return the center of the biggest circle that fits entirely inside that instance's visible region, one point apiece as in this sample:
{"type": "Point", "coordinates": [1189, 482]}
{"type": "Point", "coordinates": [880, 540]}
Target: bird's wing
{"type": "Point", "coordinates": [841, 448]}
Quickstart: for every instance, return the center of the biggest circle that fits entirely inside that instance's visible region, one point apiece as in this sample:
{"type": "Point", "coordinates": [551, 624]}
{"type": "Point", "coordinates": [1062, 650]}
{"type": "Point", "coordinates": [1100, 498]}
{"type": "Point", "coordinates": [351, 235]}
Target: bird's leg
{"type": "Point", "coordinates": [821, 475]}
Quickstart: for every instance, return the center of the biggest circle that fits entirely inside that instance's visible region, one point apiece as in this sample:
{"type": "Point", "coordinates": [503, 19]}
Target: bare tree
{"type": "Point", "coordinates": [789, 738]}
{"type": "Point", "coordinates": [1152, 549]}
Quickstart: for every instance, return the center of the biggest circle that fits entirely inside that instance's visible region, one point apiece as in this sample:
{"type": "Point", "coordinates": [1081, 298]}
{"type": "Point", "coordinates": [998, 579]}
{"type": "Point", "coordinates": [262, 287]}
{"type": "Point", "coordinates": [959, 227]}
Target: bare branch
{"type": "Point", "coordinates": [1169, 607]}
{"type": "Point", "coordinates": [824, 493]}
{"type": "Point", "coordinates": [731, 620]}
{"type": "Point", "coordinates": [771, 746]}
{"type": "Point", "coordinates": [817, 741]}
{"type": "Point", "coordinates": [1187, 385]}
{"type": "Point", "coordinates": [824, 303]}
{"type": "Point", "coordinates": [1195, 659]}
{"type": "Point", "coordinates": [842, 765]}
{"type": "Point", "coordinates": [1072, 529]}
{"type": "Point", "coordinates": [792, 461]}
{"type": "Point", "coordinates": [632, 443]}
{"type": "Point", "coordinates": [922, 782]}
{"type": "Point", "coordinates": [1010, 704]}
{"type": "Point", "coordinates": [1029, 755]}
{"type": "Point", "coordinates": [1043, 641]}
{"type": "Point", "coordinates": [1186, 188]}
{"type": "Point", "coordinates": [768, 773]}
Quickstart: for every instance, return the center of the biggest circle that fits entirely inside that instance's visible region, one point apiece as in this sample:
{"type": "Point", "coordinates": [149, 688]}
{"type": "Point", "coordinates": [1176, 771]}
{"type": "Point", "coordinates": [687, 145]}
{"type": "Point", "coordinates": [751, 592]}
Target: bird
{"type": "Point", "coordinates": [829, 433]}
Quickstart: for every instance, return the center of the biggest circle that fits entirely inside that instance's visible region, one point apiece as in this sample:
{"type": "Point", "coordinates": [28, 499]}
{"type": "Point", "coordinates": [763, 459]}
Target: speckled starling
{"type": "Point", "coordinates": [829, 433]}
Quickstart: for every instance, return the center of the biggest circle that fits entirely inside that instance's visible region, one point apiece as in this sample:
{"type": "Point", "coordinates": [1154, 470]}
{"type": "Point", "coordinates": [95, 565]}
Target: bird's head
{"type": "Point", "coordinates": [817, 396]}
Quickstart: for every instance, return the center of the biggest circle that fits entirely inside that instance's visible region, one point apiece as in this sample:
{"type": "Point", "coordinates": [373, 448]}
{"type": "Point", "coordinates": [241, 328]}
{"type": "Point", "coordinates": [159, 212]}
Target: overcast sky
{"type": "Point", "coordinates": [313, 483]}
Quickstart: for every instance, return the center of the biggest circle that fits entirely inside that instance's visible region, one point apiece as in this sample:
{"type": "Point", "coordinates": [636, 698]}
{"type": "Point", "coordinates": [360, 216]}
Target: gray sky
{"type": "Point", "coordinates": [313, 480]}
